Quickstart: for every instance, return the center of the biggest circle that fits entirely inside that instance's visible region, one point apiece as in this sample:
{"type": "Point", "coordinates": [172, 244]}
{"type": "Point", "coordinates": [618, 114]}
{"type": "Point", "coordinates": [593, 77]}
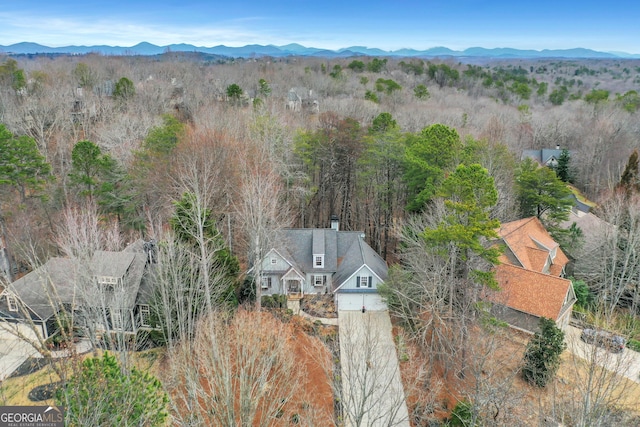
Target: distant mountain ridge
{"type": "Point", "coordinates": [294, 49]}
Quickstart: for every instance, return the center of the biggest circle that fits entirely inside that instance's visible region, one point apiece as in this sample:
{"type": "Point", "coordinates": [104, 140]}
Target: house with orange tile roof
{"type": "Point", "coordinates": [531, 277]}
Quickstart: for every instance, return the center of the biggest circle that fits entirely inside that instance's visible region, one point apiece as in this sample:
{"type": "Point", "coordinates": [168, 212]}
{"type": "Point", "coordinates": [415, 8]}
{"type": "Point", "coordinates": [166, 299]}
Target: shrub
{"type": "Point", "coordinates": [633, 345]}
{"type": "Point", "coordinates": [102, 385]}
{"type": "Point", "coordinates": [462, 415]}
{"type": "Point", "coordinates": [370, 96]}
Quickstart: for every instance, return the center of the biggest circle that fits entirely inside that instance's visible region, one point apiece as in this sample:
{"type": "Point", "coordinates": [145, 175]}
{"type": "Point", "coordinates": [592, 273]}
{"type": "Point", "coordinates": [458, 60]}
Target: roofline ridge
{"type": "Point", "coordinates": [524, 221]}
{"type": "Point", "coordinates": [536, 272]}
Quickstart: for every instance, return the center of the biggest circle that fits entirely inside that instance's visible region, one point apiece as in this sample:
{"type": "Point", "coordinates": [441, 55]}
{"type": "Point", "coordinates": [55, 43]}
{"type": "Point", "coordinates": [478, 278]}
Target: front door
{"type": "Point", "coordinates": [293, 286]}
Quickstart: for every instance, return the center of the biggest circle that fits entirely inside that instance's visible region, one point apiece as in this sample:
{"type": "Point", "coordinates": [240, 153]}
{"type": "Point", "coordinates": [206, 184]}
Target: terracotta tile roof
{"type": "Point", "coordinates": [531, 244]}
{"type": "Point", "coordinates": [531, 292]}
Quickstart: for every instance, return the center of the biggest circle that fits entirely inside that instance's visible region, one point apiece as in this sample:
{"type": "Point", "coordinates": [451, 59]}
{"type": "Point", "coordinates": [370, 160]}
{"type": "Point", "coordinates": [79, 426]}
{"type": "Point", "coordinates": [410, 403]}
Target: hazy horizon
{"type": "Point", "coordinates": [327, 25]}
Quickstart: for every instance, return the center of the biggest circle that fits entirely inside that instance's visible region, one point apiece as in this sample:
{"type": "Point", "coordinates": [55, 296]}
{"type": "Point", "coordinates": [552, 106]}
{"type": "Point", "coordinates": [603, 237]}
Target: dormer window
{"type": "Point", "coordinates": [107, 280]}
{"type": "Point", "coordinates": [11, 302]}
{"type": "Point", "coordinates": [318, 261]}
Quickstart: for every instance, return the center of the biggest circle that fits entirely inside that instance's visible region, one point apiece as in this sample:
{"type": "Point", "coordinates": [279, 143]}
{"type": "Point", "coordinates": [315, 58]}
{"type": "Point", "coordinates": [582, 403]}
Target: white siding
{"type": "Point", "coordinates": [309, 283]}
{"type": "Point", "coordinates": [355, 301]}
{"type": "Point", "coordinates": [364, 271]}
{"type": "Point", "coordinates": [276, 285]}
{"type": "Point", "coordinates": [280, 263]}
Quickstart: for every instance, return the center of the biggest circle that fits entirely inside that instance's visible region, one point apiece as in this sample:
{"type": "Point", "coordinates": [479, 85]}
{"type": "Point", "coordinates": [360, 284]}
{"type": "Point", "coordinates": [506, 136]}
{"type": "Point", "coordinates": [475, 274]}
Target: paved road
{"type": "Point", "coordinates": [626, 363]}
{"type": "Point", "coordinates": [372, 392]}
{"type": "Point", "coordinates": [13, 352]}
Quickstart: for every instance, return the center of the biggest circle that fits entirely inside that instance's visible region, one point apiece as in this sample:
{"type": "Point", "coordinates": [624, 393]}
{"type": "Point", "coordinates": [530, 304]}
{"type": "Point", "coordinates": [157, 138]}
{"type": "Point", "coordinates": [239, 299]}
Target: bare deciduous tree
{"type": "Point", "coordinates": [242, 371]}
{"type": "Point", "coordinates": [610, 262]}
{"type": "Point", "coordinates": [261, 213]}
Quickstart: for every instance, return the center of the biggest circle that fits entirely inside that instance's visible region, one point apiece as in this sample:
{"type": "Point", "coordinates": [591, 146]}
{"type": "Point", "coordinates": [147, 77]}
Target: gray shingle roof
{"type": "Point", "coordinates": [344, 252]}
{"type": "Point", "coordinates": [297, 243]}
{"type": "Point", "coordinates": [542, 156]}
{"type": "Point", "coordinates": [45, 288]}
{"type": "Point", "coordinates": [58, 282]}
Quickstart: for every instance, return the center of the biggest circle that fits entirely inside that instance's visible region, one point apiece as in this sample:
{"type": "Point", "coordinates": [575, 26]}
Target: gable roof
{"type": "Point", "coordinates": [354, 253]}
{"type": "Point", "coordinates": [41, 289]}
{"type": "Point", "coordinates": [530, 246]}
{"type": "Point", "coordinates": [113, 264]}
{"type": "Point", "coordinates": [57, 282]}
{"type": "Point", "coordinates": [344, 252]}
{"type": "Point", "coordinates": [297, 245]}
{"type": "Point", "coordinates": [531, 292]}
{"type": "Point", "coordinates": [543, 156]}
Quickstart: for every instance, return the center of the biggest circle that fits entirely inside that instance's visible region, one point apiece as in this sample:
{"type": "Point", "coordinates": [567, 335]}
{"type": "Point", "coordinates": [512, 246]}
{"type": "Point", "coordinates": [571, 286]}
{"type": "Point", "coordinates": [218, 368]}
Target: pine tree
{"type": "Point", "coordinates": [629, 181]}
{"type": "Point", "coordinates": [542, 356]}
{"type": "Point", "coordinates": [563, 170]}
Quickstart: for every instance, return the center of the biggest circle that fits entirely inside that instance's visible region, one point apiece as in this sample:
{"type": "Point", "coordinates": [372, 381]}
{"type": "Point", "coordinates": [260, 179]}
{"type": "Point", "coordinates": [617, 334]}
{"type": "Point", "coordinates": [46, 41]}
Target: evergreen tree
{"type": "Point", "coordinates": [124, 89]}
{"type": "Point", "coordinates": [102, 393]}
{"type": "Point", "coordinates": [541, 193]}
{"type": "Point", "coordinates": [21, 164]}
{"type": "Point", "coordinates": [89, 167]}
{"type": "Point", "coordinates": [429, 155]}
{"type": "Point", "coordinates": [630, 180]}
{"type": "Point", "coordinates": [469, 194]}
{"type": "Point", "coordinates": [563, 169]}
{"type": "Point", "coordinates": [542, 356]}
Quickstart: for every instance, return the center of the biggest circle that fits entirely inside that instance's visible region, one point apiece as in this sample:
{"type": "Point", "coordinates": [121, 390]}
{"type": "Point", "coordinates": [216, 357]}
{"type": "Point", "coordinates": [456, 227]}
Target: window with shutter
{"type": "Point", "coordinates": [364, 282]}
{"type": "Point", "coordinates": [266, 282]}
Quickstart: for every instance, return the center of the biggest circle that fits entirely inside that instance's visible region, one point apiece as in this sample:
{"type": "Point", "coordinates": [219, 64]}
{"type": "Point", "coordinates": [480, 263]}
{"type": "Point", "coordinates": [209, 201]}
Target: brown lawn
{"type": "Point", "coordinates": [523, 403]}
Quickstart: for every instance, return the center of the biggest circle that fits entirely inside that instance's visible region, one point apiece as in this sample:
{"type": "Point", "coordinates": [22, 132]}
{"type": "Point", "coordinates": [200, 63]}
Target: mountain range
{"type": "Point", "coordinates": [295, 49]}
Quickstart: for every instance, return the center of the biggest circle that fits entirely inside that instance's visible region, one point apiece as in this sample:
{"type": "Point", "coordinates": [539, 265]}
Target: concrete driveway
{"type": "Point", "coordinates": [625, 363]}
{"type": "Point", "coordinates": [372, 392]}
{"type": "Point", "coordinates": [14, 352]}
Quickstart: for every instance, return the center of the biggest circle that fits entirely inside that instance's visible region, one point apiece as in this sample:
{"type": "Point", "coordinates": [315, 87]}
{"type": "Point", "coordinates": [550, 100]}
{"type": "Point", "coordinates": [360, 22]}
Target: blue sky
{"type": "Point", "coordinates": [389, 25]}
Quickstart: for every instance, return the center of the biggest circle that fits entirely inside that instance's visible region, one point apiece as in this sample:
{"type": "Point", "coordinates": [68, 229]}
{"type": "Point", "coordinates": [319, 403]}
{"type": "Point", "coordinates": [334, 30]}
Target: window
{"type": "Point", "coordinates": [116, 319]}
{"type": "Point", "coordinates": [145, 315]}
{"type": "Point", "coordinates": [363, 282]}
{"type": "Point", "coordinates": [12, 303]}
{"type": "Point", "coordinates": [273, 261]}
{"type": "Point", "coordinates": [319, 261]}
{"type": "Point", "coordinates": [108, 281]}
{"type": "Point", "coordinates": [319, 280]}
{"type": "Point", "coordinates": [266, 282]}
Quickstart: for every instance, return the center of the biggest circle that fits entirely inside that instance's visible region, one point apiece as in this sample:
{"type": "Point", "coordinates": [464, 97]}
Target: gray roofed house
{"type": "Point", "coordinates": [544, 157]}
{"type": "Point", "coordinates": [313, 261]}
{"type": "Point", "coordinates": [302, 99]}
{"type": "Point", "coordinates": [110, 281]}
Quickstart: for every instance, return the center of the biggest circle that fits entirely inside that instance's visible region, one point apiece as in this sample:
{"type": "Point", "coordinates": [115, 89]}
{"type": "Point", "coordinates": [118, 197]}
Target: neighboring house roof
{"type": "Point", "coordinates": [530, 246]}
{"type": "Point", "coordinates": [531, 292]}
{"type": "Point", "coordinates": [345, 252]}
{"type": "Point", "coordinates": [58, 281]}
{"type": "Point", "coordinates": [593, 228]}
{"type": "Point", "coordinates": [530, 270]}
{"type": "Point", "coordinates": [113, 264]}
{"type": "Point", "coordinates": [47, 286]}
{"type": "Point", "coordinates": [544, 157]}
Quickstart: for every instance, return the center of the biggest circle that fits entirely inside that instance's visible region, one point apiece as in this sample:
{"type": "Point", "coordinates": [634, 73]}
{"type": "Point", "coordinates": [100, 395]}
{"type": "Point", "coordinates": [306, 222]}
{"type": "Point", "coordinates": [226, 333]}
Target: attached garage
{"type": "Point", "coordinates": [356, 300]}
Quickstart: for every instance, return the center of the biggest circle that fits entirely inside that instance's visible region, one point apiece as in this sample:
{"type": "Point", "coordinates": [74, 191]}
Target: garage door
{"type": "Point", "coordinates": [356, 301]}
